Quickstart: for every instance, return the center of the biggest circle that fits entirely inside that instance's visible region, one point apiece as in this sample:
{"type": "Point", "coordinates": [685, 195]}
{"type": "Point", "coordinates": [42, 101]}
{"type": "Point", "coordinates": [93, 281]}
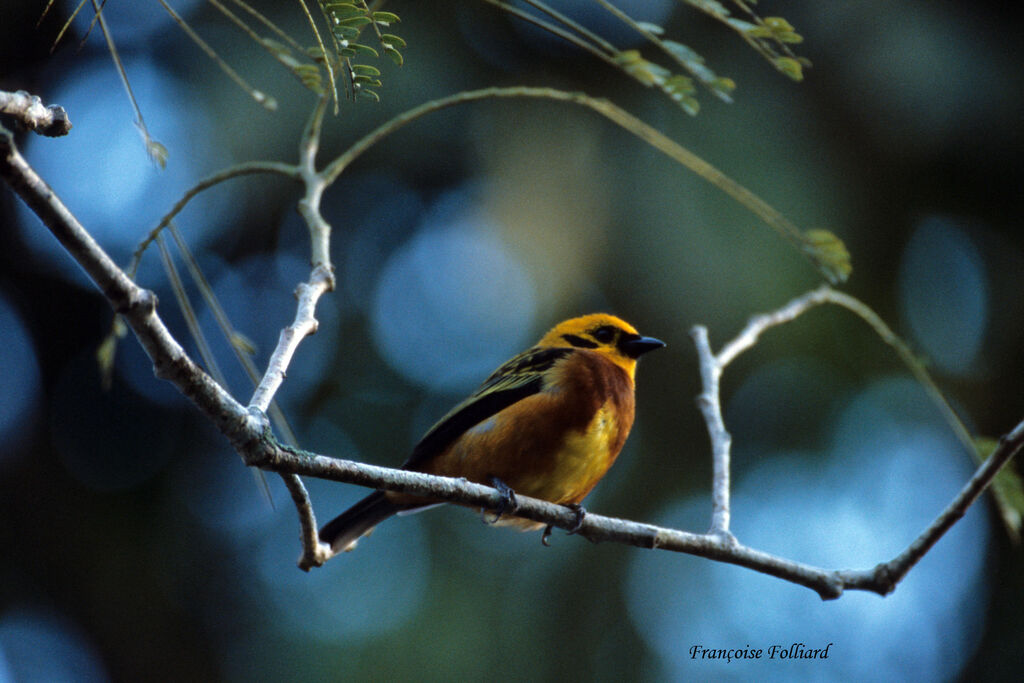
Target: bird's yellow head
{"type": "Point", "coordinates": [604, 334]}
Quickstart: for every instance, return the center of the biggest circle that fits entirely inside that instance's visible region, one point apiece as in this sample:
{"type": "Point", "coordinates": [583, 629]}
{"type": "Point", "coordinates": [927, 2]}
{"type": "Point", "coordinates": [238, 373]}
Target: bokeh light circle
{"type": "Point", "coordinates": [451, 305]}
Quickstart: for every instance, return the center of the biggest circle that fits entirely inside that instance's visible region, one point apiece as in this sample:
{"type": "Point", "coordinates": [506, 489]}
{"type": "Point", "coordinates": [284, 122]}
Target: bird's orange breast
{"type": "Point", "coordinates": [556, 444]}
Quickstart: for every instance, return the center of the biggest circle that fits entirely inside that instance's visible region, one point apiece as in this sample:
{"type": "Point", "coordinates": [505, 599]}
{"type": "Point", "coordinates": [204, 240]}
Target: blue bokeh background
{"type": "Point", "coordinates": [136, 542]}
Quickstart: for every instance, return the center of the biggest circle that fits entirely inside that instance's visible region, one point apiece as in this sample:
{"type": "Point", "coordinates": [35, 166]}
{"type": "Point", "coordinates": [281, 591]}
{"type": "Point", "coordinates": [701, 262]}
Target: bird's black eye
{"type": "Point", "coordinates": [604, 334]}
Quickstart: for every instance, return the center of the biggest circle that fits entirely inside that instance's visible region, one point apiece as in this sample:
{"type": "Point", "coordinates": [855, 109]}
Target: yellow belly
{"type": "Point", "coordinates": [575, 468]}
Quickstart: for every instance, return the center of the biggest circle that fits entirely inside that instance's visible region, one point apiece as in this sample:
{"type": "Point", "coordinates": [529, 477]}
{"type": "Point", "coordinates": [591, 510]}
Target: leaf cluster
{"type": "Point", "coordinates": [680, 69]}
{"type": "Point", "coordinates": [348, 21]}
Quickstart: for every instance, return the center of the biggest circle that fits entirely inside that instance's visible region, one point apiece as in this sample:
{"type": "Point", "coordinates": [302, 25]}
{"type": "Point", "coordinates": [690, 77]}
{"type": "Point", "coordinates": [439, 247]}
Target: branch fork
{"type": "Point", "coordinates": [247, 430]}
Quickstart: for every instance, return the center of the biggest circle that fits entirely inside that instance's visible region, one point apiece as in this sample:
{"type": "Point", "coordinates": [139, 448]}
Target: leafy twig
{"type": "Point", "coordinates": [824, 250]}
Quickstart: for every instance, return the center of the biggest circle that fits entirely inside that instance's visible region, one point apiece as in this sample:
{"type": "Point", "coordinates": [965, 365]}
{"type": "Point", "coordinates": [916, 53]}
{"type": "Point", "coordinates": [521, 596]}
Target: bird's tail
{"type": "Point", "coordinates": [346, 529]}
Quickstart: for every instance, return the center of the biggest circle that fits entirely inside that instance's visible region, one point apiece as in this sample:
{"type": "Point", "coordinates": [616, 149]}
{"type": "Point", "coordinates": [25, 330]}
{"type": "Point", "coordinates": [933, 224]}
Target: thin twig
{"type": "Point", "coordinates": [259, 97]}
{"type": "Point", "coordinates": [154, 148]}
{"type": "Point", "coordinates": [711, 367]}
{"type": "Point", "coordinates": [238, 170]}
{"type": "Point", "coordinates": [192, 320]}
{"type": "Point", "coordinates": [316, 182]}
{"type": "Point", "coordinates": [305, 324]}
{"type": "Point", "coordinates": [314, 553]}
{"type": "Point", "coordinates": [721, 440]}
{"type": "Point", "coordinates": [598, 47]}
{"type": "Point", "coordinates": [323, 51]}
{"type": "Point", "coordinates": [655, 138]}
{"type": "Point", "coordinates": [1009, 444]}
{"type": "Point", "coordinates": [321, 278]}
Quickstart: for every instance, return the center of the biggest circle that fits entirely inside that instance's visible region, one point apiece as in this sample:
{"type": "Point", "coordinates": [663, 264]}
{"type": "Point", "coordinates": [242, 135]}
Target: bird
{"type": "Point", "coordinates": [548, 424]}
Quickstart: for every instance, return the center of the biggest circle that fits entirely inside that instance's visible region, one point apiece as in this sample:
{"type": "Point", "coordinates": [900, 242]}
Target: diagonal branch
{"type": "Point", "coordinates": [247, 429]}
{"type": "Point", "coordinates": [136, 305]}
{"type": "Point", "coordinates": [828, 583]}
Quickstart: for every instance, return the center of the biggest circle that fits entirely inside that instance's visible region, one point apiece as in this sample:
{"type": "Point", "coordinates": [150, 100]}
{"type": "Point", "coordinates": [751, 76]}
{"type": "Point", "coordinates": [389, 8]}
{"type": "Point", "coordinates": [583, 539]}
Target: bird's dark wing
{"type": "Point", "coordinates": [520, 377]}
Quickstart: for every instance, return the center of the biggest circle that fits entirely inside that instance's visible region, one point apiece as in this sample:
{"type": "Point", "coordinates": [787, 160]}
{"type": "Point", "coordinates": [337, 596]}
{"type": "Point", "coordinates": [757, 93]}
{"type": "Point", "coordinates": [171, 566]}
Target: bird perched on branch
{"type": "Point", "coordinates": [547, 424]}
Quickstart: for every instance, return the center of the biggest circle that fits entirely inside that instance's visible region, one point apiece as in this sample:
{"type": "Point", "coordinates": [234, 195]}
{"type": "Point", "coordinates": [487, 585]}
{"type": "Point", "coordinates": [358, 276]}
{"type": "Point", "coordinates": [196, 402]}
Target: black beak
{"type": "Point", "coordinates": [634, 346]}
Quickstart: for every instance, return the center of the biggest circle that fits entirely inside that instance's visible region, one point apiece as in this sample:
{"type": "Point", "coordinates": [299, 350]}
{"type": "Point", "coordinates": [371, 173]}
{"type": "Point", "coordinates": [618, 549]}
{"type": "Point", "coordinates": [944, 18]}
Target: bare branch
{"type": "Point", "coordinates": [721, 440]}
{"type": "Point", "coordinates": [316, 183]}
{"type": "Point", "coordinates": [828, 583]}
{"type": "Point", "coordinates": [884, 577]}
{"type": "Point", "coordinates": [321, 279]}
{"type": "Point", "coordinates": [314, 553]}
{"type": "Point", "coordinates": [248, 432]}
{"type": "Point", "coordinates": [711, 367]}
{"type": "Point", "coordinates": [51, 121]}
{"type": "Point", "coordinates": [305, 323]}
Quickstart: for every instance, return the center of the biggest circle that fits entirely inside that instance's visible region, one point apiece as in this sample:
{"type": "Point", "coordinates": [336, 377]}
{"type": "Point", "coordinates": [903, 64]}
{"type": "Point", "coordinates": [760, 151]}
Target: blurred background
{"type": "Point", "coordinates": [137, 546]}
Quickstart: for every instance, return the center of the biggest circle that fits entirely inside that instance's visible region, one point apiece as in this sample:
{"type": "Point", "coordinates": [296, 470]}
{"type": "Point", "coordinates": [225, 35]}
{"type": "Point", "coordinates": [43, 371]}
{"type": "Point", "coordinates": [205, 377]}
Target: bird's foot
{"type": "Point", "coordinates": [577, 524]}
{"type": "Point", "coordinates": [507, 503]}
{"type": "Point", "coordinates": [581, 512]}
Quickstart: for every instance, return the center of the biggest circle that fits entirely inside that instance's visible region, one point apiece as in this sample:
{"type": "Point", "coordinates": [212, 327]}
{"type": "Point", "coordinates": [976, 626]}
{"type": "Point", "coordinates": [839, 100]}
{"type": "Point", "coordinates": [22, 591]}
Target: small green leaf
{"type": "Point", "coordinates": [157, 152]}
{"type": "Point", "coordinates": [724, 84]}
{"type": "Point", "coordinates": [394, 54]}
{"type": "Point", "coordinates": [782, 30]}
{"type": "Point", "coordinates": [777, 24]}
{"type": "Point", "coordinates": [342, 10]}
{"type": "Point", "coordinates": [682, 52]}
{"type": "Point", "coordinates": [392, 40]}
{"type": "Point", "coordinates": [268, 101]}
{"type": "Point", "coordinates": [364, 81]}
{"type": "Point", "coordinates": [309, 75]}
{"type": "Point", "coordinates": [365, 70]}
{"type": "Point", "coordinates": [680, 84]}
{"type": "Point", "coordinates": [358, 48]}
{"type": "Point", "coordinates": [745, 26]}
{"type": "Point", "coordinates": [364, 94]}
{"type": "Point", "coordinates": [639, 68]}
{"type": "Point", "coordinates": [243, 344]}
{"type": "Point", "coordinates": [653, 29]}
{"type": "Point", "coordinates": [627, 57]}
{"type": "Point", "coordinates": [723, 88]}
{"type": "Point", "coordinates": [353, 21]}
{"type": "Point", "coordinates": [385, 18]}
{"type": "Point", "coordinates": [345, 33]}
{"type": "Point", "coordinates": [829, 252]}
{"type": "Point", "coordinates": [789, 66]}
{"type": "Point", "coordinates": [711, 7]}
{"type": "Point", "coordinates": [105, 360]}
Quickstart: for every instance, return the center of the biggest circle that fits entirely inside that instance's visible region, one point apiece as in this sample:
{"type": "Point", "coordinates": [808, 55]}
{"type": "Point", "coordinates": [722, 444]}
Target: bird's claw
{"type": "Point", "coordinates": [507, 503]}
{"type": "Point", "coordinates": [577, 524]}
{"type": "Point", "coordinates": [581, 513]}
